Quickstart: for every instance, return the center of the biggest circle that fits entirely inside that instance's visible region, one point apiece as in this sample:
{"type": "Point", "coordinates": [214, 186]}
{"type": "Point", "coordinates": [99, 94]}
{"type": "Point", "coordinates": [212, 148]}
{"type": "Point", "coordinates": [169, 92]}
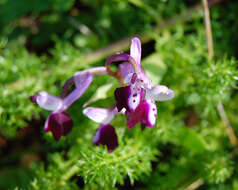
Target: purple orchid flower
{"type": "Point", "coordinates": [59, 122]}
{"type": "Point", "coordinates": [138, 97]}
{"type": "Point", "coordinates": [105, 134]}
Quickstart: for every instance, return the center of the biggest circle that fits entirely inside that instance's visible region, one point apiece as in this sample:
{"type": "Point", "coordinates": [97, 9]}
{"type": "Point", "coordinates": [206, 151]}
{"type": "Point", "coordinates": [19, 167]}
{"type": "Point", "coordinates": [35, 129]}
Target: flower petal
{"type": "Point", "coordinates": [46, 127]}
{"type": "Point", "coordinates": [125, 69]}
{"type": "Point", "coordinates": [139, 79]}
{"type": "Point", "coordinates": [106, 135]}
{"type": "Point", "coordinates": [122, 95]}
{"type": "Point", "coordinates": [128, 97]}
{"type": "Point", "coordinates": [135, 97]}
{"type": "Point", "coordinates": [100, 115]}
{"type": "Point", "coordinates": [161, 93]}
{"type": "Point", "coordinates": [82, 78]}
{"type": "Point", "coordinates": [135, 50]}
{"type": "Point", "coordinates": [115, 58]}
{"type": "Point", "coordinates": [145, 114]}
{"type": "Point", "coordinates": [118, 57]}
{"type": "Point", "coordinates": [82, 83]}
{"type": "Point", "coordinates": [151, 114]}
{"type": "Point", "coordinates": [59, 123]}
{"type": "Point", "coordinates": [47, 101]}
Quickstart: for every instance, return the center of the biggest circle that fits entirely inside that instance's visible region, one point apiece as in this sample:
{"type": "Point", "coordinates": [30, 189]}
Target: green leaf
{"type": "Point", "coordinates": [155, 67]}
{"type": "Point", "coordinates": [102, 92]}
{"type": "Point", "coordinates": [192, 141]}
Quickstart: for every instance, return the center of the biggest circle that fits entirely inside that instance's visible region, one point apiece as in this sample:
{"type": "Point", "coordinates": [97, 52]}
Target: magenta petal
{"type": "Point", "coordinates": [133, 118]}
{"type": "Point", "coordinates": [59, 123]}
{"type": "Point", "coordinates": [161, 93]}
{"type": "Point", "coordinates": [145, 114]}
{"type": "Point", "coordinates": [106, 135]}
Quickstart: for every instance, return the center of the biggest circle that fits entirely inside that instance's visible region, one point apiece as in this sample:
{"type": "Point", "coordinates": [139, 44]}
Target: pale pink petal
{"type": "Point", "coordinates": [100, 115]}
{"type": "Point", "coordinates": [161, 93]}
{"type": "Point", "coordinates": [48, 101]}
{"type": "Point", "coordinates": [135, 50]}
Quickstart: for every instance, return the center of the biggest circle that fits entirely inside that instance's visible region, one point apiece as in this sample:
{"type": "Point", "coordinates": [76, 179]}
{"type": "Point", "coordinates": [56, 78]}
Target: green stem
{"type": "Point", "coordinates": [70, 172]}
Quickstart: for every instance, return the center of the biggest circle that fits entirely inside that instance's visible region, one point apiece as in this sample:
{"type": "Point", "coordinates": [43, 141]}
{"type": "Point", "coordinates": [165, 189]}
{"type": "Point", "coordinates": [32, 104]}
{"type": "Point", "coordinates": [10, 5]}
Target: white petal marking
{"type": "Point", "coordinates": [152, 113]}
{"type": "Point", "coordinates": [135, 97]}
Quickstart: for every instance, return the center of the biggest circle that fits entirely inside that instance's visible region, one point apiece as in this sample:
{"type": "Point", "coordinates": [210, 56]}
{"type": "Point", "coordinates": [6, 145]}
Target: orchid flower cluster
{"type": "Point", "coordinates": [135, 99]}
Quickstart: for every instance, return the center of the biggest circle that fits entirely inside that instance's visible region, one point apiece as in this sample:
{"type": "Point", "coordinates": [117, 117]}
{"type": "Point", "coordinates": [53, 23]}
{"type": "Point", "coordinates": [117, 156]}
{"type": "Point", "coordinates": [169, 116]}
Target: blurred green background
{"type": "Point", "coordinates": [44, 42]}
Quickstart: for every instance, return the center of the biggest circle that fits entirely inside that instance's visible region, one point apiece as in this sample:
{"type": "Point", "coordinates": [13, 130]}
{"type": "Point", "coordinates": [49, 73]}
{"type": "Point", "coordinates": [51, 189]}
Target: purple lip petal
{"type": "Point", "coordinates": [106, 135]}
{"type": "Point", "coordinates": [145, 114]}
{"type": "Point", "coordinates": [135, 50]}
{"type": "Point", "coordinates": [161, 93]}
{"type": "Point", "coordinates": [128, 97]}
{"type": "Point", "coordinates": [33, 98]}
{"type": "Point", "coordinates": [143, 126]}
{"type": "Point", "coordinates": [133, 118]}
{"type": "Point", "coordinates": [59, 123]}
{"type": "Point", "coordinates": [122, 95]}
{"type": "Point", "coordinates": [125, 69]}
{"type": "Point", "coordinates": [79, 90]}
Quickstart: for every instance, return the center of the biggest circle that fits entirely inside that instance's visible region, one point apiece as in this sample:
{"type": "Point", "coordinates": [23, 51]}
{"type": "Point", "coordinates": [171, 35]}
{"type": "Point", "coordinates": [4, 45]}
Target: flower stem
{"type": "Point", "coordinates": [208, 29]}
{"type": "Point", "coordinates": [227, 124]}
{"type": "Point", "coordinates": [70, 172]}
{"type": "Point", "coordinates": [196, 184]}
